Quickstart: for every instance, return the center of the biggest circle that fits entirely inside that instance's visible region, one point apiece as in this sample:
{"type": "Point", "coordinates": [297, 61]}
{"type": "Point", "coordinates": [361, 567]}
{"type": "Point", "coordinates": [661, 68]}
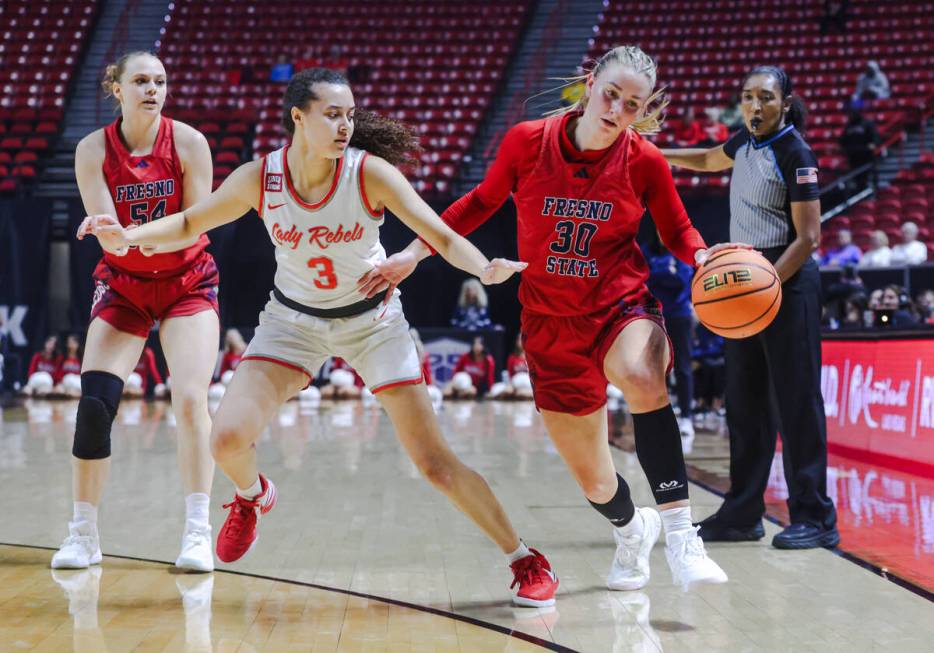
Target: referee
{"type": "Point", "coordinates": [773, 378]}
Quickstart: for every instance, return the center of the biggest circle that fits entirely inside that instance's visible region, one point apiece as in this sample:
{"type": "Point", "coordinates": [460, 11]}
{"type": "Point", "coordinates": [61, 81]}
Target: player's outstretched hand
{"type": "Point", "coordinates": [501, 269]}
{"type": "Point", "coordinates": [108, 231]}
{"type": "Point", "coordinates": [387, 275]}
{"type": "Point", "coordinates": [703, 254]}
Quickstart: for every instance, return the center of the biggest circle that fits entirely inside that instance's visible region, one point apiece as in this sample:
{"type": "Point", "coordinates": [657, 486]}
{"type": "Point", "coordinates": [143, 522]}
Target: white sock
{"type": "Point", "coordinates": [84, 512]}
{"type": "Point", "coordinates": [676, 520]}
{"type": "Point", "coordinates": [519, 553]}
{"type": "Point", "coordinates": [635, 527]}
{"type": "Point", "coordinates": [196, 509]}
{"type": "Point", "coordinates": [251, 492]}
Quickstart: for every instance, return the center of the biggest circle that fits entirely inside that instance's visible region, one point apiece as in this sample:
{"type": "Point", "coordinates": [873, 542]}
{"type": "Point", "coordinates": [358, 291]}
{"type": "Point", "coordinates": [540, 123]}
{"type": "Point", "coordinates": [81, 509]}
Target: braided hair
{"type": "Point", "coordinates": [797, 112]}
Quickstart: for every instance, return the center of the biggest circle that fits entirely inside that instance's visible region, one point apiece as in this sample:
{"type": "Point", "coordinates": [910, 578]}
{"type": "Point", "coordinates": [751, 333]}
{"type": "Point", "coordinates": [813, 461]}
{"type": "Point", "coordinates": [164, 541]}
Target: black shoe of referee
{"type": "Point", "coordinates": [806, 536]}
{"type": "Point", "coordinates": [716, 529]}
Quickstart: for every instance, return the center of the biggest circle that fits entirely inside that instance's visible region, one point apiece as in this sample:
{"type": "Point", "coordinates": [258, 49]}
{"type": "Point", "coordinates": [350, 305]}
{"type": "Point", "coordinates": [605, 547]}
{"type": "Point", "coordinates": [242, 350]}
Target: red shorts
{"type": "Point", "coordinates": [132, 304]}
{"type": "Point", "coordinates": [566, 354]}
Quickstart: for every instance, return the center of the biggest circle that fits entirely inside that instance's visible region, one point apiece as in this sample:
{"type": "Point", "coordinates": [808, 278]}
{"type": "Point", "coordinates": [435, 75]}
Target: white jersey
{"type": "Point", "coordinates": [323, 248]}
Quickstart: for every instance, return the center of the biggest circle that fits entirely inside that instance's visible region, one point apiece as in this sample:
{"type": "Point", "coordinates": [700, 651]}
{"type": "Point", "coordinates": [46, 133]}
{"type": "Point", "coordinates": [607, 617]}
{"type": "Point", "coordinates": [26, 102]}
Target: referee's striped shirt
{"type": "Point", "coordinates": [767, 177]}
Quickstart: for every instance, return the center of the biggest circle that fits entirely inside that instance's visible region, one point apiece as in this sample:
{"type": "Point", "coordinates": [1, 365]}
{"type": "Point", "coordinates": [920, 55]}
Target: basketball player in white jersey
{"type": "Point", "coordinates": [322, 199]}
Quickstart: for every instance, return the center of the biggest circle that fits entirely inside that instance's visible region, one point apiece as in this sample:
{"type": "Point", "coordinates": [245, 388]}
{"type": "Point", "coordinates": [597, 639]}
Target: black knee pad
{"type": "Point", "coordinates": [100, 397]}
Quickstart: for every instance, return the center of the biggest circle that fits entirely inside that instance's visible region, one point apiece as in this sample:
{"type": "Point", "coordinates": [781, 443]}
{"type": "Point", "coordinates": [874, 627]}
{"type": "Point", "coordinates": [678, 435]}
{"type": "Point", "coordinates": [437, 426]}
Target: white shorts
{"type": "Point", "coordinates": [376, 343]}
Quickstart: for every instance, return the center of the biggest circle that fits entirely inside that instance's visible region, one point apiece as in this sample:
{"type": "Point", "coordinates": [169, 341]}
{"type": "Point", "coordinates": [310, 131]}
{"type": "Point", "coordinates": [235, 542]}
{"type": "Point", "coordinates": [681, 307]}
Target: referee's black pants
{"type": "Point", "coordinates": [773, 384]}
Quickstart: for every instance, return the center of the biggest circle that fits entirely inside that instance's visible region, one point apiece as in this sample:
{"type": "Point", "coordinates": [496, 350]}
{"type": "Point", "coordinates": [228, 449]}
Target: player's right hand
{"type": "Point", "coordinates": [500, 269]}
{"type": "Point", "coordinates": [108, 231]}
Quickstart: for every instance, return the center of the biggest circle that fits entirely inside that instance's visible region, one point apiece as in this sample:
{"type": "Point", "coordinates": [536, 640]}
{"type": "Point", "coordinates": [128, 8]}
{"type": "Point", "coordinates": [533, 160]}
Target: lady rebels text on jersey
{"type": "Point", "coordinates": [322, 248]}
{"type": "Point", "coordinates": [578, 215]}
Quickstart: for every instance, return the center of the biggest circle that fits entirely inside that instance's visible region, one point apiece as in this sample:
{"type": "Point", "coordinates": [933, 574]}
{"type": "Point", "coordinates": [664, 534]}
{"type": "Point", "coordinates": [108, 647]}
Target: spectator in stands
{"type": "Point", "coordinates": [910, 251]}
{"type": "Point", "coordinates": [845, 253]}
{"type": "Point", "coordinates": [896, 305]}
{"type": "Point", "coordinates": [833, 17]}
{"type": "Point", "coordinates": [854, 310]}
{"type": "Point", "coordinates": [670, 282]}
{"type": "Point", "coordinates": [478, 366]}
{"type": "Point", "coordinates": [341, 381]}
{"type": "Point", "coordinates": [924, 303]}
{"type": "Point", "coordinates": [732, 117]}
{"type": "Point", "coordinates": [68, 379]}
{"type": "Point", "coordinates": [709, 376]}
{"type": "Point", "coordinates": [875, 299]}
{"type": "Point", "coordinates": [145, 372]}
{"type": "Point", "coordinates": [471, 311]}
{"type": "Point", "coordinates": [715, 132]}
{"type": "Point", "coordinates": [859, 142]}
{"type": "Point", "coordinates": [234, 346]}
{"type": "Point", "coordinates": [43, 368]}
{"type": "Point", "coordinates": [281, 71]}
{"type": "Point", "coordinates": [872, 84]}
{"type": "Point", "coordinates": [690, 131]}
{"type": "Point", "coordinates": [879, 254]}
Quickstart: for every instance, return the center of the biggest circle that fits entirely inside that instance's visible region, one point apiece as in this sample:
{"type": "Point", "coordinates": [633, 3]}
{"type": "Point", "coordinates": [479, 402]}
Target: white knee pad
{"type": "Point", "coordinates": [341, 378]}
{"type": "Point", "coordinates": [521, 381]}
{"type": "Point", "coordinates": [497, 390]}
{"type": "Point", "coordinates": [41, 382]}
{"type": "Point", "coordinates": [462, 382]}
{"type": "Point", "coordinates": [216, 391]}
{"type": "Point", "coordinates": [310, 395]}
{"type": "Point", "coordinates": [71, 383]}
{"type": "Point", "coordinates": [434, 392]}
{"type": "Point", "coordinates": [134, 381]}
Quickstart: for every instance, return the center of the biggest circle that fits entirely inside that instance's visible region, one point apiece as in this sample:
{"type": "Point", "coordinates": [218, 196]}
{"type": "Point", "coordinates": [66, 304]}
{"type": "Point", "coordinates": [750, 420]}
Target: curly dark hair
{"type": "Point", "coordinates": [376, 134]}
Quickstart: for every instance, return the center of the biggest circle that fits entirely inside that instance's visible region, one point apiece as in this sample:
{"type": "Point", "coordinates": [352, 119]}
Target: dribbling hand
{"type": "Point", "coordinates": [387, 275]}
{"type": "Point", "coordinates": [500, 269]}
{"type": "Point", "coordinates": [108, 232]}
{"type": "Point", "coordinates": [703, 254]}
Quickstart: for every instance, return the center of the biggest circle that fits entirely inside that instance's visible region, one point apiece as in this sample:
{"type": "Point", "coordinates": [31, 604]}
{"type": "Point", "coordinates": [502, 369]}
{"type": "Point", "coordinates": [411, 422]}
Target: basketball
{"type": "Point", "coordinates": [736, 293]}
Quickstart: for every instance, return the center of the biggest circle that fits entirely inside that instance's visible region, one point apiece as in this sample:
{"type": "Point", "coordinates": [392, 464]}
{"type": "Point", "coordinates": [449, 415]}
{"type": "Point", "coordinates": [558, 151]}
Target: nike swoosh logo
{"type": "Point", "coordinates": [270, 207]}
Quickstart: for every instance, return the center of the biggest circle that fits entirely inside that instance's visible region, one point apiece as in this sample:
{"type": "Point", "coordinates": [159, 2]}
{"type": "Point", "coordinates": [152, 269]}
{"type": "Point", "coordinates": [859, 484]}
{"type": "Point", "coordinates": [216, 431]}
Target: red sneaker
{"type": "Point", "coordinates": [537, 582]}
{"type": "Point", "coordinates": [238, 534]}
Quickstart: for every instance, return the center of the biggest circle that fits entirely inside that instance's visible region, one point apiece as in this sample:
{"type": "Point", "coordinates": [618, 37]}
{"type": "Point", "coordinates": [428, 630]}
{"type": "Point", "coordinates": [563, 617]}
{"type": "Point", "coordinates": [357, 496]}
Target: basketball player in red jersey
{"type": "Point", "coordinates": [580, 181]}
{"type": "Point", "coordinates": [322, 199]}
{"type": "Point", "coordinates": [140, 168]}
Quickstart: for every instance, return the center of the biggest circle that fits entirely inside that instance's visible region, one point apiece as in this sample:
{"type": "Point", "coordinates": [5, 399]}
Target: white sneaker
{"type": "Point", "coordinates": [196, 554]}
{"type": "Point", "coordinates": [689, 562]}
{"type": "Point", "coordinates": [630, 568]}
{"type": "Point", "coordinates": [686, 426]}
{"type": "Point", "coordinates": [80, 550]}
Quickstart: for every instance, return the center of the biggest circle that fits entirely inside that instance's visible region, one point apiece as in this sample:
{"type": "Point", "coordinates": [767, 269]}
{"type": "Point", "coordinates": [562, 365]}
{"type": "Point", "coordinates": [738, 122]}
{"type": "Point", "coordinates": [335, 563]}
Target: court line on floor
{"type": "Point", "coordinates": [518, 634]}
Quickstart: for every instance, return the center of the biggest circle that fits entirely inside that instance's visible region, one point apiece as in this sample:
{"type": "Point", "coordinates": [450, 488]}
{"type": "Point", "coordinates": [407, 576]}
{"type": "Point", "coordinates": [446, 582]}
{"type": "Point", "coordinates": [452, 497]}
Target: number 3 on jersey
{"type": "Point", "coordinates": [326, 278]}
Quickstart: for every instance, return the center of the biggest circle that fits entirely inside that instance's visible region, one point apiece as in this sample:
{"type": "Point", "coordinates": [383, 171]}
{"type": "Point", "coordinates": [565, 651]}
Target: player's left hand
{"type": "Point", "coordinates": [108, 231]}
{"type": "Point", "coordinates": [701, 256]}
{"type": "Point", "coordinates": [387, 275]}
{"type": "Point", "coordinates": [500, 269]}
{"type": "Point", "coordinates": [145, 250]}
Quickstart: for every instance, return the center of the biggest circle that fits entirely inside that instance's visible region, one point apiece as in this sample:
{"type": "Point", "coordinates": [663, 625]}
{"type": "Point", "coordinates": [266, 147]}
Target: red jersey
{"type": "Point", "coordinates": [578, 214]}
{"type": "Point", "coordinates": [516, 364]}
{"type": "Point", "coordinates": [40, 363]}
{"type": "Point", "coordinates": [480, 373]}
{"type": "Point", "coordinates": [146, 188]}
{"type": "Point", "coordinates": [69, 366]}
{"type": "Point", "coordinates": [146, 368]}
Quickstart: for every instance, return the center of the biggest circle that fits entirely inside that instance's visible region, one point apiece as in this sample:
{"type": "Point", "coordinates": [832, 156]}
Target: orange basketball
{"type": "Point", "coordinates": [736, 293]}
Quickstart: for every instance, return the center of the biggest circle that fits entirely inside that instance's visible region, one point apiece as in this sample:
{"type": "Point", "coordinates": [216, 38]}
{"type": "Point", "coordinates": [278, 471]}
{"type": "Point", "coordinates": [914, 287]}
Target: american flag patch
{"type": "Point", "coordinates": [806, 175]}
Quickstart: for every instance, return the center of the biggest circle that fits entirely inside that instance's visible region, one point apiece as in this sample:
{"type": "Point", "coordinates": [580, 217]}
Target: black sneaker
{"type": "Point", "coordinates": [806, 536]}
{"type": "Point", "coordinates": [714, 529]}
